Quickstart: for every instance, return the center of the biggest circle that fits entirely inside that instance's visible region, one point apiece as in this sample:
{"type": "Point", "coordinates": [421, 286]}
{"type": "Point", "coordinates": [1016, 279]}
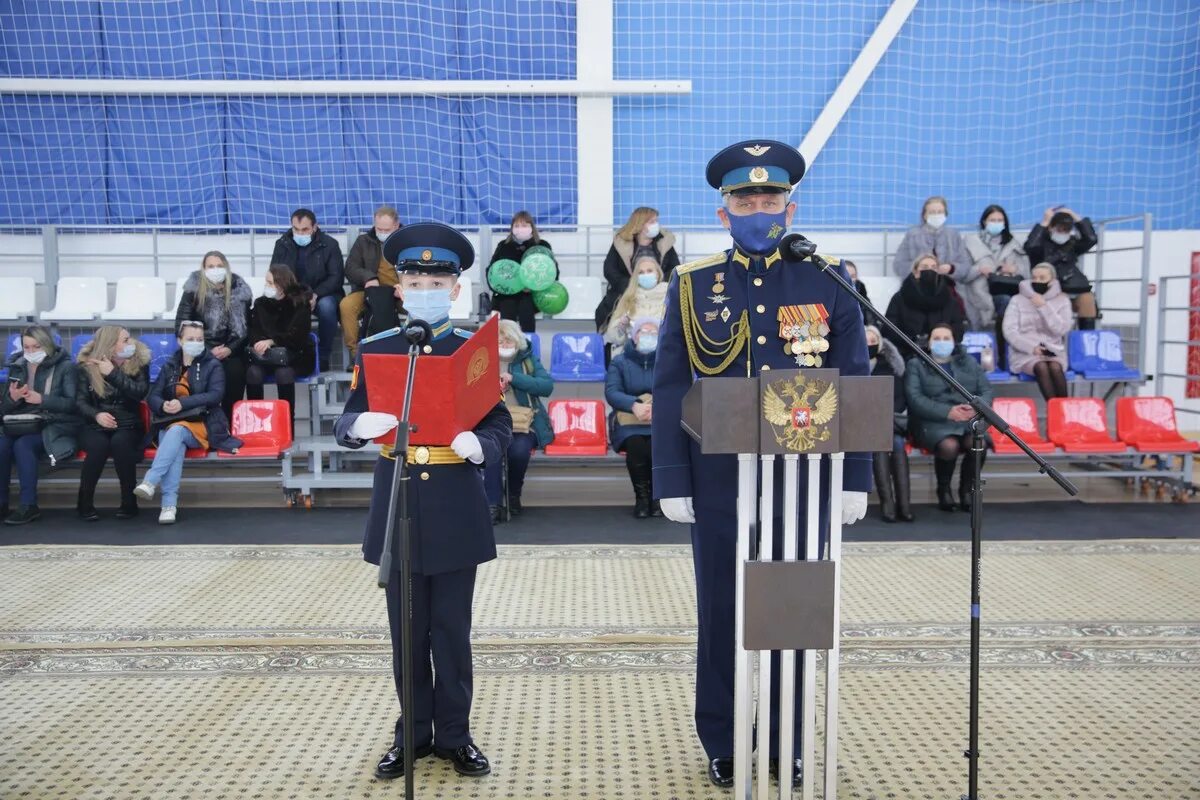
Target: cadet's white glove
{"type": "Point", "coordinates": [854, 507]}
{"type": "Point", "coordinates": [467, 446]}
{"type": "Point", "coordinates": [678, 509]}
{"type": "Point", "coordinates": [372, 424]}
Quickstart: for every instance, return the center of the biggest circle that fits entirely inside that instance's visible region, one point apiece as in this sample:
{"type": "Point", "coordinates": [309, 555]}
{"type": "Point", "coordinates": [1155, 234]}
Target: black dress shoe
{"type": "Point", "coordinates": [514, 505]}
{"type": "Point", "coordinates": [127, 512]}
{"type": "Point", "coordinates": [720, 772]}
{"type": "Point", "coordinates": [23, 515]}
{"type": "Point", "coordinates": [468, 760]}
{"type": "Point", "coordinates": [797, 770]}
{"type": "Point", "coordinates": [392, 764]}
{"type": "Point", "coordinates": [88, 514]}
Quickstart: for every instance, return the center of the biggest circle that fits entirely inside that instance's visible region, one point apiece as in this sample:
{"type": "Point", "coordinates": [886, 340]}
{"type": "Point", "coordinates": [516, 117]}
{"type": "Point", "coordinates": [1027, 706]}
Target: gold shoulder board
{"type": "Point", "coordinates": [707, 261]}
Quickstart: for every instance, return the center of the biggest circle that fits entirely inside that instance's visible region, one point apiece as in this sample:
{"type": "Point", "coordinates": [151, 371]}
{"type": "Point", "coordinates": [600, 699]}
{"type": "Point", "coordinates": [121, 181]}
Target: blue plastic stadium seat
{"type": "Point", "coordinates": [15, 346]}
{"type": "Point", "coordinates": [535, 343]}
{"type": "Point", "coordinates": [577, 357]}
{"type": "Point", "coordinates": [1097, 354]}
{"type": "Point", "coordinates": [77, 343]}
{"type": "Point", "coordinates": [975, 342]}
{"type": "Point", "coordinates": [1025, 376]}
{"type": "Point", "coordinates": [162, 346]}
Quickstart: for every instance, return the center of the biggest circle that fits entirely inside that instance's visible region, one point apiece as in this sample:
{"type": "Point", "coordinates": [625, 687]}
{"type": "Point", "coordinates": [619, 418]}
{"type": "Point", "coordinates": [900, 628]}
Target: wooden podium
{"type": "Point", "coordinates": [789, 602]}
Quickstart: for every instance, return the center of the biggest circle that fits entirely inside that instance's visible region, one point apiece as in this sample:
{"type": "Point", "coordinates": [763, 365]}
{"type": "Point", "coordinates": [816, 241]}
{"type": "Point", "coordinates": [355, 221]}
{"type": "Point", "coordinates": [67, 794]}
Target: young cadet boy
{"type": "Point", "coordinates": [450, 524]}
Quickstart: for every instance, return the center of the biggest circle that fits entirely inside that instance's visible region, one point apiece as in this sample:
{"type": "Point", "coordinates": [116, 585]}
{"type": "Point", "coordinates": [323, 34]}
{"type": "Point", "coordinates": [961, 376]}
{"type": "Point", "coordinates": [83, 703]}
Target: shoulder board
{"type": "Point", "coordinates": [464, 333]}
{"type": "Point", "coordinates": [707, 261]}
{"type": "Point", "coordinates": [832, 260]}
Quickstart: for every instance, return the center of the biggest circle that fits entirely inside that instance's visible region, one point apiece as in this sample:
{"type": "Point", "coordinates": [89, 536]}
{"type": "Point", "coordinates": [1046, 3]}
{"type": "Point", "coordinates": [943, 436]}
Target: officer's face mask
{"type": "Point", "coordinates": [758, 233]}
{"type": "Point", "coordinates": [430, 305]}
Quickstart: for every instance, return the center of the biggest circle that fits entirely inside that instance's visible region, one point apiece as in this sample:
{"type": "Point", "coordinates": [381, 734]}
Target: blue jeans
{"type": "Point", "coordinates": [26, 450]}
{"type": "Point", "coordinates": [327, 324]}
{"type": "Point", "coordinates": [519, 453]}
{"type": "Point", "coordinates": [167, 468]}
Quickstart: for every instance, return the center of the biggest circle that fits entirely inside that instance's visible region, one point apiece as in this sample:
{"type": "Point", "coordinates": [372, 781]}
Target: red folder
{"type": "Point", "coordinates": [452, 393]}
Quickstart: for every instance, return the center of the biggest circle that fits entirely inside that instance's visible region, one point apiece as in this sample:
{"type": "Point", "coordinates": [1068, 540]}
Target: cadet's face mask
{"type": "Point", "coordinates": [430, 305]}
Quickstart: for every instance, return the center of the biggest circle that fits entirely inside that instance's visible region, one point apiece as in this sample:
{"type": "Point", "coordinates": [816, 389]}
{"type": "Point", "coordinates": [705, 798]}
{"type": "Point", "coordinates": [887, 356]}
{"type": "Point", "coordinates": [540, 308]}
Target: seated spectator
{"type": "Point", "coordinates": [994, 252]}
{"type": "Point", "coordinates": [280, 344]}
{"type": "Point", "coordinates": [38, 416]}
{"type": "Point", "coordinates": [522, 235]}
{"type": "Point", "coordinates": [185, 407]}
{"type": "Point", "coordinates": [220, 300]}
{"type": "Point", "coordinates": [891, 468]}
{"type": "Point", "coordinates": [316, 258]}
{"type": "Point", "coordinates": [641, 235]}
{"type": "Point", "coordinates": [932, 236]}
{"type": "Point", "coordinates": [644, 298]}
{"type": "Point", "coordinates": [367, 269]}
{"type": "Point", "coordinates": [938, 419]}
{"type": "Point", "coordinates": [852, 270]}
{"type": "Point", "coordinates": [525, 383]}
{"type": "Point", "coordinates": [1059, 240]}
{"type": "Point", "coordinates": [114, 379]}
{"type": "Point", "coordinates": [925, 298]}
{"type": "Point", "coordinates": [627, 389]}
{"type": "Point", "coordinates": [1036, 326]}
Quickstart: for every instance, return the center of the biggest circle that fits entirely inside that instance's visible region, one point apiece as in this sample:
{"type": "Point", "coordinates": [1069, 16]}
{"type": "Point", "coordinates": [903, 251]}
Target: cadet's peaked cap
{"type": "Point", "coordinates": [429, 247]}
{"type": "Point", "coordinates": [757, 164]}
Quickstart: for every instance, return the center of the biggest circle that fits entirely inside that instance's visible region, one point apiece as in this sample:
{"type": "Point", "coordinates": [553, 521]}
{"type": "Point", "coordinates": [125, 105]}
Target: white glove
{"type": "Point", "coordinates": [372, 424]}
{"type": "Point", "coordinates": [678, 509]}
{"type": "Point", "coordinates": [854, 507]}
{"type": "Point", "coordinates": [467, 446]}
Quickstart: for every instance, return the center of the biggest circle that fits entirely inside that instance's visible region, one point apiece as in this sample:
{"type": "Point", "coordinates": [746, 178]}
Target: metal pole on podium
{"type": "Point", "coordinates": [743, 718]}
{"type": "Point", "coordinates": [787, 658]}
{"type": "Point", "coordinates": [766, 552]}
{"type": "Point", "coordinates": [836, 463]}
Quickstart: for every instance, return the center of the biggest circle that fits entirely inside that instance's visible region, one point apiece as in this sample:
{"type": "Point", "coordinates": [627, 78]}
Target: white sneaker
{"type": "Point", "coordinates": [145, 490]}
{"type": "Point", "coordinates": [167, 515]}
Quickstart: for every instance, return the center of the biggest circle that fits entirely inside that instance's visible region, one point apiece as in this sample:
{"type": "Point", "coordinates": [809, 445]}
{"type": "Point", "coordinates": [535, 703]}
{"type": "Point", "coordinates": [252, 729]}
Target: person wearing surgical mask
{"type": "Point", "coordinates": [40, 418]}
{"type": "Point", "coordinates": [1059, 240]}
{"type": "Point", "coordinates": [185, 414]}
{"type": "Point", "coordinates": [316, 259]}
{"type": "Point", "coordinates": [1036, 328]}
{"type": "Point", "coordinates": [220, 300]}
{"type": "Point", "coordinates": [523, 234]}
{"type": "Point", "coordinates": [926, 297]}
{"type": "Point", "coordinates": [368, 273]}
{"type": "Point", "coordinates": [645, 297]}
{"type": "Point", "coordinates": [628, 388]}
{"type": "Point", "coordinates": [280, 339]}
{"type": "Point", "coordinates": [642, 235]}
{"type": "Point", "coordinates": [526, 385]}
{"type": "Point", "coordinates": [994, 254]}
{"type": "Point", "coordinates": [933, 236]}
{"type": "Point", "coordinates": [939, 420]}
{"type": "Point", "coordinates": [114, 379]}
{"type": "Point", "coordinates": [890, 468]}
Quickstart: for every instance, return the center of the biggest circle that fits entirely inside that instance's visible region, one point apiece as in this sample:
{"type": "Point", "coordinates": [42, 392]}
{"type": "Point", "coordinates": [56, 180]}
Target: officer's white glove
{"type": "Point", "coordinates": [467, 446]}
{"type": "Point", "coordinates": [372, 424]}
{"type": "Point", "coordinates": [678, 509]}
{"type": "Point", "coordinates": [854, 507]}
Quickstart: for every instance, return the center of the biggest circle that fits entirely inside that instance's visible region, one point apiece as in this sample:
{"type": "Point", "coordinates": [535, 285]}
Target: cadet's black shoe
{"type": "Point", "coordinates": [392, 764]}
{"type": "Point", "coordinates": [720, 772]}
{"type": "Point", "coordinates": [797, 770]}
{"type": "Point", "coordinates": [22, 515]}
{"type": "Point", "coordinates": [468, 760]}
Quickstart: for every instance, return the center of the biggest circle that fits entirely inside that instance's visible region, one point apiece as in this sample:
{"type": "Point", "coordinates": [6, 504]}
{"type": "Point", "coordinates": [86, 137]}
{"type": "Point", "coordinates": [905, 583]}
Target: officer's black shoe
{"type": "Point", "coordinates": [797, 770]}
{"type": "Point", "coordinates": [514, 505]}
{"type": "Point", "coordinates": [945, 498]}
{"type": "Point", "coordinates": [392, 764]}
{"type": "Point", "coordinates": [23, 515]}
{"type": "Point", "coordinates": [496, 517]}
{"type": "Point", "coordinates": [468, 760]}
{"type": "Point", "coordinates": [720, 772]}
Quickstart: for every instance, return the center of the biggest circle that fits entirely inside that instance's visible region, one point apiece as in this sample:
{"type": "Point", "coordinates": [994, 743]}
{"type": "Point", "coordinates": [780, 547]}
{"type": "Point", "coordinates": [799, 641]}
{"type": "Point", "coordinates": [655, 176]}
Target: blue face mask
{"type": "Point", "coordinates": [192, 348]}
{"type": "Point", "coordinates": [758, 233]}
{"type": "Point", "coordinates": [647, 343]}
{"type": "Point", "coordinates": [941, 348]}
{"type": "Point", "coordinates": [995, 228]}
{"type": "Point", "coordinates": [302, 241]}
{"type": "Point", "coordinates": [647, 280]}
{"type": "Point", "coordinates": [430, 305]}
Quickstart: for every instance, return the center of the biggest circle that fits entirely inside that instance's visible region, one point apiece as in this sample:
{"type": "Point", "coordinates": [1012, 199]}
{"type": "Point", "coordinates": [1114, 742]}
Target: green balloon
{"type": "Point", "coordinates": [538, 250]}
{"type": "Point", "coordinates": [551, 300]}
{"type": "Point", "coordinates": [505, 277]}
{"type": "Point", "coordinates": [538, 271]}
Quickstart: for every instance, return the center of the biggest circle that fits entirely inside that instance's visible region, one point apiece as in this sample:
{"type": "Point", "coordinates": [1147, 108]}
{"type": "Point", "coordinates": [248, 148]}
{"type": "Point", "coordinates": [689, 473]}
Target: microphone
{"type": "Point", "coordinates": [795, 248]}
{"type": "Point", "coordinates": [417, 331]}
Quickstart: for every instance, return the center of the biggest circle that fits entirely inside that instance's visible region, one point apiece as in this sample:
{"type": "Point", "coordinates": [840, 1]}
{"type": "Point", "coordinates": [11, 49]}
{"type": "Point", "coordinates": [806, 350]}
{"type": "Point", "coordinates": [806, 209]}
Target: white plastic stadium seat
{"type": "Point", "coordinates": [256, 284]}
{"type": "Point", "coordinates": [138, 298]}
{"type": "Point", "coordinates": [583, 295]}
{"type": "Point", "coordinates": [18, 298]}
{"type": "Point", "coordinates": [78, 299]}
{"type": "Point", "coordinates": [880, 289]}
{"type": "Point", "coordinates": [463, 305]}
{"type": "Point", "coordinates": [169, 312]}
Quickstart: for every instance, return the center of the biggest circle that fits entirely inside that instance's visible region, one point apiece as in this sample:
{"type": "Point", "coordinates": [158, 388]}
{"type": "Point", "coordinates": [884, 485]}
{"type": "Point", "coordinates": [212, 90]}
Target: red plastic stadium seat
{"type": "Point", "coordinates": [580, 428]}
{"type": "Point", "coordinates": [264, 426]}
{"type": "Point", "coordinates": [1148, 423]}
{"type": "Point", "coordinates": [1078, 425]}
{"type": "Point", "coordinates": [1021, 415]}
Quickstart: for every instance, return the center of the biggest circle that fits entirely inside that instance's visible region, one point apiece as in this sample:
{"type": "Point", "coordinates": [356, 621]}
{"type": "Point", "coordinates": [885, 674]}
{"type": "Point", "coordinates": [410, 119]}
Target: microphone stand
{"type": "Point", "coordinates": [798, 248]}
{"type": "Point", "coordinates": [397, 546]}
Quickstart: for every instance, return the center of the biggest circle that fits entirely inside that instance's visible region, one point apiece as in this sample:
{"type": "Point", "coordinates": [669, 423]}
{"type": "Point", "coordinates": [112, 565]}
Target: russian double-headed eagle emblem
{"type": "Point", "coordinates": [799, 411]}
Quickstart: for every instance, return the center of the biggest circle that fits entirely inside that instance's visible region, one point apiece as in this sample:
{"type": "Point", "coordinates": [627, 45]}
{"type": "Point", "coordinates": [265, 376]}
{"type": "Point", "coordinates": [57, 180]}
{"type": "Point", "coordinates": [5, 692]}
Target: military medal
{"type": "Point", "coordinates": [725, 314]}
{"type": "Point", "coordinates": [710, 316]}
{"type": "Point", "coordinates": [719, 286]}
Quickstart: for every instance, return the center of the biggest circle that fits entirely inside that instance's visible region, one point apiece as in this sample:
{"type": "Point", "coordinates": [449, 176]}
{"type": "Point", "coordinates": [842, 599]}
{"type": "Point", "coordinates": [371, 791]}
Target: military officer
{"type": "Point", "coordinates": [451, 527]}
{"type": "Point", "coordinates": [737, 313]}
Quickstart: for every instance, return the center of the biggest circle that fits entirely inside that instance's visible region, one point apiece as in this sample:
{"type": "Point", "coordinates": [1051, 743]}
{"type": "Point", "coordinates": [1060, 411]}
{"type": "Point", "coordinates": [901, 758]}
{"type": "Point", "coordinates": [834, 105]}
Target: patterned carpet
{"type": "Point", "coordinates": [232, 672]}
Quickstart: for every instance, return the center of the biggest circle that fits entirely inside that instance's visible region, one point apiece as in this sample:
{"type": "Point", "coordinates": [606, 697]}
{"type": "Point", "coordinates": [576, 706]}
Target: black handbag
{"type": "Point", "coordinates": [1004, 285]}
{"type": "Point", "coordinates": [187, 415]}
{"type": "Point", "coordinates": [272, 357]}
{"type": "Point", "coordinates": [1075, 282]}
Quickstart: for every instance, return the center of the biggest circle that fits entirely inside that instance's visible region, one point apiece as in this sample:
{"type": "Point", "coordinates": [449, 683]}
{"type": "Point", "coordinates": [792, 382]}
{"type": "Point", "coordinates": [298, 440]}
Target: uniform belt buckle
{"type": "Point", "coordinates": [421, 455]}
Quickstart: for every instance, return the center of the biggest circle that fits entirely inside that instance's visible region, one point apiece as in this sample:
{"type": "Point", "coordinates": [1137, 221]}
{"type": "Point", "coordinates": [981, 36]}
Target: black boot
{"type": "Point", "coordinates": [903, 491]}
{"type": "Point", "coordinates": [85, 506]}
{"type": "Point", "coordinates": [944, 470]}
{"type": "Point", "coordinates": [1087, 323]}
{"type": "Point", "coordinates": [882, 468]}
{"type": "Point", "coordinates": [639, 476]}
{"type": "Point", "coordinates": [967, 482]}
